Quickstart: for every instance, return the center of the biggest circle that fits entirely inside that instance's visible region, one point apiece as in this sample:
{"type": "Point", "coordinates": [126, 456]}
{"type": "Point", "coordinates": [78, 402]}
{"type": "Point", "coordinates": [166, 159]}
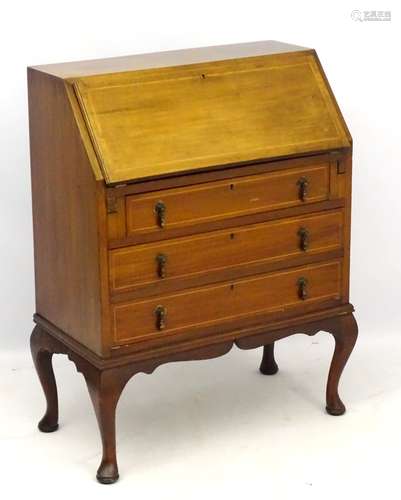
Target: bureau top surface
{"type": "Point", "coordinates": [154, 115]}
{"type": "Point", "coordinates": [167, 58]}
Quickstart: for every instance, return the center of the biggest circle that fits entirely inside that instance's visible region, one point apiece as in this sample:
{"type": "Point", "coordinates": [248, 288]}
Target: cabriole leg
{"type": "Point", "coordinates": [105, 388]}
{"type": "Point", "coordinates": [345, 334]}
{"type": "Point", "coordinates": [42, 358]}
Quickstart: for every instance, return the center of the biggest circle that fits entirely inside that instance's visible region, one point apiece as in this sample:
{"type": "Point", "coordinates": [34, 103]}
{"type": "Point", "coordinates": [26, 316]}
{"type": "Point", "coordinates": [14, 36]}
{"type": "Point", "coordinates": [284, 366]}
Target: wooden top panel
{"type": "Point", "coordinates": [158, 122]}
{"type": "Point", "coordinates": [166, 58]}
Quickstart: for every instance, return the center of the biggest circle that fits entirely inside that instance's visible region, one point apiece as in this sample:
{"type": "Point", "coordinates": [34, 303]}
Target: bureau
{"type": "Point", "coordinates": [184, 202]}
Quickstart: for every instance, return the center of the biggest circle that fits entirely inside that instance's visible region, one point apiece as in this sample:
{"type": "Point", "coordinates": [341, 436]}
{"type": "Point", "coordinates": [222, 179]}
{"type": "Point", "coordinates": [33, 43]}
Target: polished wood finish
{"type": "Point", "coordinates": [208, 114]}
{"type": "Point", "coordinates": [345, 333]}
{"type": "Point", "coordinates": [225, 199]}
{"type": "Point", "coordinates": [116, 198]}
{"type": "Point", "coordinates": [183, 203]}
{"type": "Point", "coordinates": [135, 266]}
{"type": "Point", "coordinates": [105, 385]}
{"type": "Point", "coordinates": [268, 366]}
{"type": "Point", "coordinates": [67, 201]}
{"type": "Point", "coordinates": [168, 58]}
{"type": "Point", "coordinates": [198, 308]}
{"type": "Point", "coordinates": [42, 359]}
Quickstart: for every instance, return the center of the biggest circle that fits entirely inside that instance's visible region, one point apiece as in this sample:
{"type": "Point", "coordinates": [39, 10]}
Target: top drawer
{"type": "Point", "coordinates": [180, 207]}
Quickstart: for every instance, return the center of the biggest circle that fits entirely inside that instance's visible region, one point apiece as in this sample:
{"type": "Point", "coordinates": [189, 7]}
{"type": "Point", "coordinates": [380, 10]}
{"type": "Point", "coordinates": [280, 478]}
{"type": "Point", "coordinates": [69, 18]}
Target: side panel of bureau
{"type": "Point", "coordinates": [66, 198]}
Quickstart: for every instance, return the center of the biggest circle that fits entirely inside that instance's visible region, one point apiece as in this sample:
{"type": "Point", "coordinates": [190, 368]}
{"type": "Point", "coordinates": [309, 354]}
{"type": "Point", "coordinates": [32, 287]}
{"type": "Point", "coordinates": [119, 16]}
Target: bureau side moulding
{"type": "Point", "coordinates": [184, 202]}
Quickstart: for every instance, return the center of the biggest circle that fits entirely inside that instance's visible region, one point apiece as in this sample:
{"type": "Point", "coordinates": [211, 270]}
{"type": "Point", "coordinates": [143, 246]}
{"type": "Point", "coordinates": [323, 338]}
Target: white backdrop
{"type": "Point", "coordinates": [361, 60]}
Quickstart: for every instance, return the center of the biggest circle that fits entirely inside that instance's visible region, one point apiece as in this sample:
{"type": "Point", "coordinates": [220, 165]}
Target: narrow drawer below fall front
{"type": "Point", "coordinates": [297, 289]}
{"type": "Point", "coordinates": [184, 207]}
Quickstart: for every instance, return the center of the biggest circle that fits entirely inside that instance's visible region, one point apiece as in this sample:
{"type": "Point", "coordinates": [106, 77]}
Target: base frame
{"type": "Point", "coordinates": [106, 381]}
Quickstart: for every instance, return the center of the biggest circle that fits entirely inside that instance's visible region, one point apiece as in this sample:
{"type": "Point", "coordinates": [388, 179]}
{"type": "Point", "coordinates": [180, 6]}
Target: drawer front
{"type": "Point", "coordinates": [173, 259]}
{"type": "Point", "coordinates": [206, 306]}
{"type": "Point", "coordinates": [163, 210]}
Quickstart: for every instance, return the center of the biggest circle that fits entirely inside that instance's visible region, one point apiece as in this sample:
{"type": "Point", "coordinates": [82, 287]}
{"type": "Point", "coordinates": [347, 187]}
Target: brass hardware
{"type": "Point", "coordinates": [303, 184]}
{"type": "Point", "coordinates": [111, 203]}
{"type": "Point", "coordinates": [337, 159]}
{"type": "Point", "coordinates": [160, 210]}
{"type": "Point", "coordinates": [303, 233]}
{"type": "Point", "coordinates": [161, 313]}
{"type": "Point", "coordinates": [340, 167]}
{"type": "Point", "coordinates": [161, 260]}
{"type": "Point", "coordinates": [302, 291]}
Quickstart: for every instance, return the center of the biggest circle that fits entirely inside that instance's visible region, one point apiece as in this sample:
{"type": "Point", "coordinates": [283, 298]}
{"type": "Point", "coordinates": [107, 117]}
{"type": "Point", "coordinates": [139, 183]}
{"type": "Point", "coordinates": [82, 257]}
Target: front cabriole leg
{"type": "Point", "coordinates": [105, 387]}
{"type": "Point", "coordinates": [42, 352]}
{"type": "Point", "coordinates": [345, 332]}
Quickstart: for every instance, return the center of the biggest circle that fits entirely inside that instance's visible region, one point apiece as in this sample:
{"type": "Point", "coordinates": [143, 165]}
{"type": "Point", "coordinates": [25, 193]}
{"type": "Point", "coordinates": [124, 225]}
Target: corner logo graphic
{"type": "Point", "coordinates": [371, 15]}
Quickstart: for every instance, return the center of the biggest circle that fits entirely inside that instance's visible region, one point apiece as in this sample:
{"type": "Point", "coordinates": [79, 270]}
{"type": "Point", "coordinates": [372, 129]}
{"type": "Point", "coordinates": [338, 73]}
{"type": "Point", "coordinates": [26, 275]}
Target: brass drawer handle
{"type": "Point", "coordinates": [161, 260]}
{"type": "Point", "coordinates": [160, 210]}
{"type": "Point", "coordinates": [303, 233]}
{"type": "Point", "coordinates": [161, 313]}
{"type": "Point", "coordinates": [303, 184]}
{"type": "Point", "coordinates": [302, 288]}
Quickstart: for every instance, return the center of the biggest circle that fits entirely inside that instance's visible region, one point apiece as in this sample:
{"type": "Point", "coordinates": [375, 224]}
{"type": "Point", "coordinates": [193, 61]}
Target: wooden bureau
{"type": "Point", "coordinates": [184, 202]}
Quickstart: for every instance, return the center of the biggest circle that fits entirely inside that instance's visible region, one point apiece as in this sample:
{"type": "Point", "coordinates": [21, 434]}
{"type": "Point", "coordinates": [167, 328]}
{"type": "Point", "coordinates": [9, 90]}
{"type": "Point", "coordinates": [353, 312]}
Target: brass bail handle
{"type": "Point", "coordinates": [303, 184]}
{"type": "Point", "coordinates": [161, 313]}
{"type": "Point", "coordinates": [304, 236]}
{"type": "Point", "coordinates": [302, 288]}
{"type": "Point", "coordinates": [160, 210]}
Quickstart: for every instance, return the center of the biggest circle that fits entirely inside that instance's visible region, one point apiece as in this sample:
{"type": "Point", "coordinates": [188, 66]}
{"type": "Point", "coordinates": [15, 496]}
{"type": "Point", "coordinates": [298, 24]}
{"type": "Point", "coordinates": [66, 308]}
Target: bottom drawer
{"type": "Point", "coordinates": [211, 305]}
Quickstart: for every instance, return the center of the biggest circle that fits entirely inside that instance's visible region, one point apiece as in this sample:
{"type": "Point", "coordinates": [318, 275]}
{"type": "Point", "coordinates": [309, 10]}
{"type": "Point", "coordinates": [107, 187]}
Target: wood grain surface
{"type": "Point", "coordinates": [149, 123]}
{"type": "Point", "coordinates": [218, 303]}
{"type": "Point", "coordinates": [280, 240]}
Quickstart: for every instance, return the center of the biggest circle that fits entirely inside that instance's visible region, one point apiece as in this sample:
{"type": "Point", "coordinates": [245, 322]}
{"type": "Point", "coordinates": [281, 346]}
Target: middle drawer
{"type": "Point", "coordinates": [170, 260]}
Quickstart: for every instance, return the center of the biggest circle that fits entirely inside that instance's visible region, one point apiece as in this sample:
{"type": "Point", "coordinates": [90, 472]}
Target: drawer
{"type": "Point", "coordinates": [163, 210]}
{"type": "Point", "coordinates": [280, 292]}
{"type": "Point", "coordinates": [174, 259]}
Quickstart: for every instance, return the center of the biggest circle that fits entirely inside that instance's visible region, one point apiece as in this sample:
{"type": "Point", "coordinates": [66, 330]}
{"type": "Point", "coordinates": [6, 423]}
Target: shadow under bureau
{"type": "Point", "coordinates": [184, 202]}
